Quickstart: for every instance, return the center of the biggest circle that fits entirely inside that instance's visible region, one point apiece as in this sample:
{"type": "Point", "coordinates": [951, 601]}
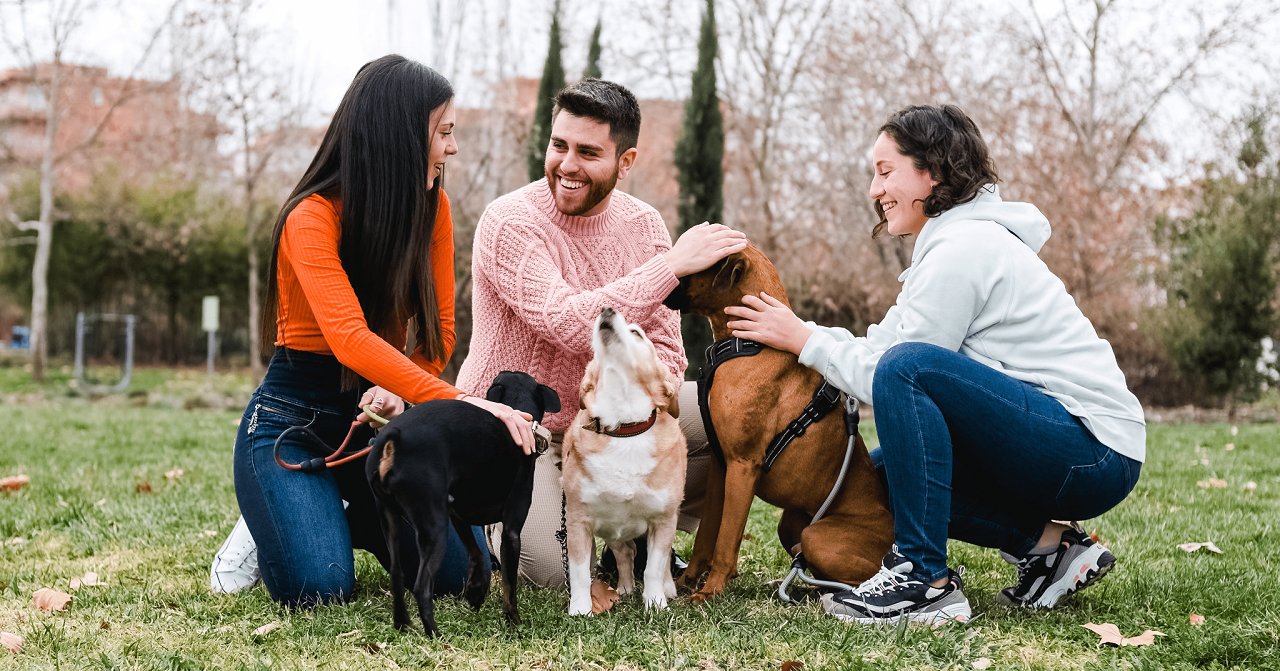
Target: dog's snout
{"type": "Point", "coordinates": [606, 316]}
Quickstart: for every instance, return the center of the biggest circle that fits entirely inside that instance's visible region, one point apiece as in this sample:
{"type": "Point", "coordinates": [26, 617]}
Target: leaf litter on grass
{"type": "Point", "coordinates": [1110, 634]}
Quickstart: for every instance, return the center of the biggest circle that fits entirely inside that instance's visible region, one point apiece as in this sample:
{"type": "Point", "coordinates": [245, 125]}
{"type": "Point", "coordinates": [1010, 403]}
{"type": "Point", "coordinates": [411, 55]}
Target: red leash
{"type": "Point", "coordinates": [319, 464]}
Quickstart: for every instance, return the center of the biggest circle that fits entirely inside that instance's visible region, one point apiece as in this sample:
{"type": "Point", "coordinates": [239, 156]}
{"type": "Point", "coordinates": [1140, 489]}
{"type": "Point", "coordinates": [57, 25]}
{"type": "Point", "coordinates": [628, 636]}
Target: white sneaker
{"type": "Point", "coordinates": [235, 567]}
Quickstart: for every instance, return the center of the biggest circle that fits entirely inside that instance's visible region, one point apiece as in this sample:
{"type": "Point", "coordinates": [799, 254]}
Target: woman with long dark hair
{"type": "Point", "coordinates": [362, 249]}
{"type": "Point", "coordinates": [998, 407]}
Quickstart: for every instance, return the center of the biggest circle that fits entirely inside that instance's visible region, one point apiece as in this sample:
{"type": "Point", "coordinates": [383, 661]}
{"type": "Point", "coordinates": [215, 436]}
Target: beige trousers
{"type": "Point", "coordinates": [543, 557]}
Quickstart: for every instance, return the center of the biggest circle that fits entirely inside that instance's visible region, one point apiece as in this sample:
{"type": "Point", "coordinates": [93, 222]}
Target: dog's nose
{"type": "Point", "coordinates": [607, 313]}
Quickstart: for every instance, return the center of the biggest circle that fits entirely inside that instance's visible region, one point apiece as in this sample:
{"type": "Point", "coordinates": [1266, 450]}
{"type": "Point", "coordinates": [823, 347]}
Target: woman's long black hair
{"type": "Point", "coordinates": [375, 159]}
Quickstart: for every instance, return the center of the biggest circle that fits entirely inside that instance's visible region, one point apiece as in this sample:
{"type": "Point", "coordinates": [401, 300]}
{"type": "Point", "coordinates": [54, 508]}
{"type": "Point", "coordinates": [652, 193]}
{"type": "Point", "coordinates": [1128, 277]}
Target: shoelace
{"type": "Point", "coordinates": [885, 580]}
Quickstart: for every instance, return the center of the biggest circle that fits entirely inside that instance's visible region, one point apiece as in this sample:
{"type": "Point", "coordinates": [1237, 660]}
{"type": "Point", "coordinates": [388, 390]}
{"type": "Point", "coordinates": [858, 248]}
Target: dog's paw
{"type": "Point", "coordinates": [654, 599]}
{"type": "Point", "coordinates": [699, 598]}
{"type": "Point", "coordinates": [580, 608]}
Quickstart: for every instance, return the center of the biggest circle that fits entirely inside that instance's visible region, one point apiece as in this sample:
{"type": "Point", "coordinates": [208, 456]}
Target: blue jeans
{"type": "Point", "coordinates": [305, 538]}
{"type": "Point", "coordinates": [973, 454]}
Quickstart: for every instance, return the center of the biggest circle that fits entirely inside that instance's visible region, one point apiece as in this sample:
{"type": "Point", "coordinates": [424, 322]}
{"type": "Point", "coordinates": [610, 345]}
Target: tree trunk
{"type": "Point", "coordinates": [255, 303]}
{"type": "Point", "coordinates": [44, 235]}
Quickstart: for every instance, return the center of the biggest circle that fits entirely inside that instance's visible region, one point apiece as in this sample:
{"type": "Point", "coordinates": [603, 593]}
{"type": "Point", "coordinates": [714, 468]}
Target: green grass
{"type": "Point", "coordinates": [81, 513]}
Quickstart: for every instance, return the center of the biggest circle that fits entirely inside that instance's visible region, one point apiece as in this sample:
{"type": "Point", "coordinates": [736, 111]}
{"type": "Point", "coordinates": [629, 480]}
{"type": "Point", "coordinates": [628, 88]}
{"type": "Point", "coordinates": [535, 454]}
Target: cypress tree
{"type": "Point", "coordinates": [552, 82]}
{"type": "Point", "coordinates": [593, 55]}
{"type": "Point", "coordinates": [699, 156]}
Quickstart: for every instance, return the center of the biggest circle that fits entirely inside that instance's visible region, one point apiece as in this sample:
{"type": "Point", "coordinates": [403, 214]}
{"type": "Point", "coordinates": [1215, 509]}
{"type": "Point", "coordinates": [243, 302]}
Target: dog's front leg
{"type": "Point", "coordinates": [658, 585]}
{"type": "Point", "coordinates": [739, 490]}
{"type": "Point", "coordinates": [704, 544]}
{"type": "Point", "coordinates": [477, 588]}
{"type": "Point", "coordinates": [581, 546]}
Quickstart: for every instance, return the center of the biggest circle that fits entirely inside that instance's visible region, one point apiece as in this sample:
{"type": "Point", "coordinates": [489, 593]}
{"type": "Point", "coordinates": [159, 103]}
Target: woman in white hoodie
{"type": "Point", "coordinates": [998, 407]}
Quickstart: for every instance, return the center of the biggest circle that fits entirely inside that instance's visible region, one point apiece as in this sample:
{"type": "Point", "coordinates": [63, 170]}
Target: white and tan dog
{"type": "Point", "coordinates": [624, 464]}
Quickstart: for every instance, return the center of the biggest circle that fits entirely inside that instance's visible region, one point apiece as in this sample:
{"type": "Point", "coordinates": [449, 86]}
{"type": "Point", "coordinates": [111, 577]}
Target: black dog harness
{"type": "Point", "coordinates": [825, 399]}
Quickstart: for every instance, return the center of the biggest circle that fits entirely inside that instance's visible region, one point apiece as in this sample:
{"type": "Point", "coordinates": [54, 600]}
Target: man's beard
{"type": "Point", "coordinates": [596, 192]}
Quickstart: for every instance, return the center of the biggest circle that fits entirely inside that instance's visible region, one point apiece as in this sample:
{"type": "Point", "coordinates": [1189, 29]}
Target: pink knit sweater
{"type": "Point", "coordinates": [540, 278]}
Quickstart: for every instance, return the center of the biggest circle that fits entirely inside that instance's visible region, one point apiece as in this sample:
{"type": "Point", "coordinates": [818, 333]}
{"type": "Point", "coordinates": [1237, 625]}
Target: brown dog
{"type": "Point", "coordinates": [752, 400]}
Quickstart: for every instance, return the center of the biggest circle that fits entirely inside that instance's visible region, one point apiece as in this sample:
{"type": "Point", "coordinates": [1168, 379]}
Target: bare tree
{"type": "Point", "coordinates": [263, 107]}
{"type": "Point", "coordinates": [46, 32]}
{"type": "Point", "coordinates": [1107, 76]}
{"type": "Point", "coordinates": [765, 66]}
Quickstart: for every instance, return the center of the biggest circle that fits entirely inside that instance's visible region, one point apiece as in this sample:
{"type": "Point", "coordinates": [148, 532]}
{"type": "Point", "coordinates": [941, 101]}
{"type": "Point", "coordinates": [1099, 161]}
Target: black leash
{"type": "Point", "coordinates": [825, 399]}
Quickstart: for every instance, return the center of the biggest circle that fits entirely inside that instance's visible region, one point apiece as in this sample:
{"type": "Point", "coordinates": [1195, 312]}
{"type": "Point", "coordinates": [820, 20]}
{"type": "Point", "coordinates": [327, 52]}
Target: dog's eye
{"type": "Point", "coordinates": [637, 331]}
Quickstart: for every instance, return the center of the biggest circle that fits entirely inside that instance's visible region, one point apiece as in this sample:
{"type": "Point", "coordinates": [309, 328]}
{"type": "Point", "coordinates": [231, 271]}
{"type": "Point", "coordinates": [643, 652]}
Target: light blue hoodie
{"type": "Point", "coordinates": [976, 286]}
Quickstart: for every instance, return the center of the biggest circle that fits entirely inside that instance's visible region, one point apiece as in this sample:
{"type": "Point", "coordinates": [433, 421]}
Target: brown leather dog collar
{"type": "Point", "coordinates": [624, 430]}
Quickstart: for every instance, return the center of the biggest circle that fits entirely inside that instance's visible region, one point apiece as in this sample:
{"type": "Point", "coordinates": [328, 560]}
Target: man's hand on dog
{"type": "Point", "coordinates": [770, 322]}
{"type": "Point", "coordinates": [701, 246]}
{"type": "Point", "coordinates": [382, 402]}
{"type": "Point", "coordinates": [519, 423]}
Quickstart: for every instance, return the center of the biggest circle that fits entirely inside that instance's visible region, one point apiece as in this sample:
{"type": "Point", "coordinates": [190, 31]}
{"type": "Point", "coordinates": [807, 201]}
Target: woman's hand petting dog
{"type": "Point", "coordinates": [382, 402]}
{"type": "Point", "coordinates": [519, 423]}
{"type": "Point", "coordinates": [770, 322]}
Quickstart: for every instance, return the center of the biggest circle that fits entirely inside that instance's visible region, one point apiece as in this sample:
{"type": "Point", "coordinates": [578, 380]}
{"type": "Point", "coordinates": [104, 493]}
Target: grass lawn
{"type": "Point", "coordinates": [83, 512]}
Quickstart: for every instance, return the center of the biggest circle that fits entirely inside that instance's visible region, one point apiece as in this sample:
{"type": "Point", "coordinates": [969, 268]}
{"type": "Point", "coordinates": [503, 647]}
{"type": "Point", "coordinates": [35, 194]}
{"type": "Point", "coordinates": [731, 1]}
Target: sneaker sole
{"type": "Point", "coordinates": [956, 612]}
{"type": "Point", "coordinates": [1087, 569]}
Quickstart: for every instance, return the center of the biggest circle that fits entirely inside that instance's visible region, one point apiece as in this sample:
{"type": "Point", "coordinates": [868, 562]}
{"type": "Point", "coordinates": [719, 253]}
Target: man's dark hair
{"type": "Point", "coordinates": [605, 102]}
{"type": "Point", "coordinates": [946, 142]}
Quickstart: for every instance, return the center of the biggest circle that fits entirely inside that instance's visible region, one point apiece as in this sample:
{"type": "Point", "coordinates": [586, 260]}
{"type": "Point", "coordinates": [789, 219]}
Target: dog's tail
{"type": "Point", "coordinates": [384, 446]}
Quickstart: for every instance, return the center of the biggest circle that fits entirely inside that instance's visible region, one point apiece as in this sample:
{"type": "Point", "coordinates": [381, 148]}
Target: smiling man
{"type": "Point", "coordinates": [549, 256]}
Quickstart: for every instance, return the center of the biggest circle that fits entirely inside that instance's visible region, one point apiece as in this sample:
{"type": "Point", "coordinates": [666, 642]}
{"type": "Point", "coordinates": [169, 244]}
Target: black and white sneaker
{"type": "Point", "coordinates": [1045, 580]}
{"type": "Point", "coordinates": [892, 595]}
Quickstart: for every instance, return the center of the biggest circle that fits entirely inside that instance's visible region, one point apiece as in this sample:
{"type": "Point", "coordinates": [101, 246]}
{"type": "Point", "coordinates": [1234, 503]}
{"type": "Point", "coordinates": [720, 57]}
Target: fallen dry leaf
{"type": "Point", "coordinates": [1111, 635]}
{"type": "Point", "coordinates": [174, 474]}
{"type": "Point", "coordinates": [1192, 547]}
{"type": "Point", "coordinates": [90, 579]}
{"type": "Point", "coordinates": [208, 532]}
{"type": "Point", "coordinates": [105, 625]}
{"type": "Point", "coordinates": [265, 629]}
{"type": "Point", "coordinates": [982, 663]}
{"type": "Point", "coordinates": [14, 482]}
{"type": "Point", "coordinates": [348, 634]}
{"type": "Point", "coordinates": [1251, 485]}
{"type": "Point", "coordinates": [747, 537]}
{"type": "Point", "coordinates": [1211, 482]}
{"type": "Point", "coordinates": [374, 648]}
{"type": "Point", "coordinates": [11, 641]}
{"type": "Point", "coordinates": [1197, 619]}
{"type": "Point", "coordinates": [50, 599]}
{"type": "Point", "coordinates": [602, 596]}
{"type": "Point", "coordinates": [792, 666]}
{"type": "Point", "coordinates": [1229, 446]}
{"type": "Point", "coordinates": [143, 487]}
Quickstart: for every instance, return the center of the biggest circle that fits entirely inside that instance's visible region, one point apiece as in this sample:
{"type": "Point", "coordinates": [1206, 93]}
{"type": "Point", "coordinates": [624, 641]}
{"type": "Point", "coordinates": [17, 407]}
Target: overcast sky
{"type": "Point", "coordinates": [324, 42]}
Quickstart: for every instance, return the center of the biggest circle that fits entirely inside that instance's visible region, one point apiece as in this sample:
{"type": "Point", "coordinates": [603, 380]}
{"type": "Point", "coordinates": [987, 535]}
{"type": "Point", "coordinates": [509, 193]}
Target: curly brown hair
{"type": "Point", "coordinates": [946, 142]}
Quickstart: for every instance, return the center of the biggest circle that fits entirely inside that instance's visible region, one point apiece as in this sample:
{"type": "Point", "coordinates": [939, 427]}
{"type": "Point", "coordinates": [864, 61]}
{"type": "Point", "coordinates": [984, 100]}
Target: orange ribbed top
{"type": "Point", "coordinates": [319, 312]}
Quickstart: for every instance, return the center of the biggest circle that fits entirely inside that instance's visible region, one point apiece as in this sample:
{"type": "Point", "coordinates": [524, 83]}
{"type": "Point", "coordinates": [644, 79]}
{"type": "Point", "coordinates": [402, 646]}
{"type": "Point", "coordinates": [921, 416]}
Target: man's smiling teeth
{"type": "Point", "coordinates": [570, 184]}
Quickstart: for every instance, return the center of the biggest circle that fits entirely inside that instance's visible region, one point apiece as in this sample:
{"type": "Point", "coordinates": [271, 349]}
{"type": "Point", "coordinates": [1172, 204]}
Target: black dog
{"type": "Point", "coordinates": [449, 461]}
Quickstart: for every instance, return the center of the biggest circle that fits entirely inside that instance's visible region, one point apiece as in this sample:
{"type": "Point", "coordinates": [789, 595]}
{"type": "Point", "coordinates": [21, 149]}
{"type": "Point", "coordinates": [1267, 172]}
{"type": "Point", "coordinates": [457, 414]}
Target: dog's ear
{"type": "Point", "coordinates": [496, 393]}
{"type": "Point", "coordinates": [731, 270]}
{"type": "Point", "coordinates": [589, 380]}
{"type": "Point", "coordinates": [550, 399]}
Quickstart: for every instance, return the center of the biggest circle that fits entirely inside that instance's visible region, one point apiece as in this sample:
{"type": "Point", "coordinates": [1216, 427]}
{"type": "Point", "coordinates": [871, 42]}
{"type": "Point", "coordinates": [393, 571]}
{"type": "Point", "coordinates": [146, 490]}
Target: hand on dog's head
{"type": "Point", "coordinates": [521, 392]}
{"type": "Point", "coordinates": [709, 292]}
